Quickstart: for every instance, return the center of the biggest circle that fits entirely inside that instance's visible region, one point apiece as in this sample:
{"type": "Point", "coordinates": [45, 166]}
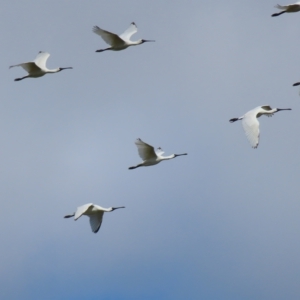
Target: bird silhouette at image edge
{"type": "Point", "coordinates": [287, 9]}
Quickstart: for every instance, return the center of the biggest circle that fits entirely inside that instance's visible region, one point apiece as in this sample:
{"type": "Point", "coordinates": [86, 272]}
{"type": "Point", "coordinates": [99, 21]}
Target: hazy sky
{"type": "Point", "coordinates": [220, 223]}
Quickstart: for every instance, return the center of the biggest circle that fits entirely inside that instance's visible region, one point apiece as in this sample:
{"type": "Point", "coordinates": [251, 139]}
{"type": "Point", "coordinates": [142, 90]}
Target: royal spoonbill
{"type": "Point", "coordinates": [37, 68]}
{"type": "Point", "coordinates": [119, 42]}
{"type": "Point", "coordinates": [149, 156]}
{"type": "Point", "coordinates": [287, 8]}
{"type": "Point", "coordinates": [94, 212]}
{"type": "Point", "coordinates": [251, 124]}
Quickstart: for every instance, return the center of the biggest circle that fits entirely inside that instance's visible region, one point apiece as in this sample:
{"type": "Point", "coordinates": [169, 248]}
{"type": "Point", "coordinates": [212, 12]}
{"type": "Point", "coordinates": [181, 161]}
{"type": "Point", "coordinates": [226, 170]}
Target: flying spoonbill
{"type": "Point", "coordinates": [119, 42]}
{"type": "Point", "coordinates": [94, 212]}
{"type": "Point", "coordinates": [37, 68]}
{"type": "Point", "coordinates": [287, 8]}
{"type": "Point", "coordinates": [251, 124]}
{"type": "Point", "coordinates": [149, 156]}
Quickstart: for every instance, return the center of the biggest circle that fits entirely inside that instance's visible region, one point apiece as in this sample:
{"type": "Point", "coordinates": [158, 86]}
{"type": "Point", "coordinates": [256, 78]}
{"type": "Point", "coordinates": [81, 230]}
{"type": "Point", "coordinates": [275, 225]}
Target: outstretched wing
{"type": "Point", "coordinates": [41, 59]}
{"type": "Point", "coordinates": [126, 35]}
{"type": "Point", "coordinates": [30, 67]}
{"type": "Point", "coordinates": [251, 128]}
{"type": "Point", "coordinates": [96, 221]}
{"type": "Point", "coordinates": [145, 151]}
{"type": "Point", "coordinates": [81, 210]}
{"type": "Point", "coordinates": [110, 38]}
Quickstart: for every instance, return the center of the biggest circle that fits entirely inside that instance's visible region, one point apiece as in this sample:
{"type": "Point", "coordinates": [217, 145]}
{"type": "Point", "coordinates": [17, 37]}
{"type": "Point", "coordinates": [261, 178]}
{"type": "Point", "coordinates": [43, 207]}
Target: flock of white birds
{"type": "Point", "coordinates": [148, 154]}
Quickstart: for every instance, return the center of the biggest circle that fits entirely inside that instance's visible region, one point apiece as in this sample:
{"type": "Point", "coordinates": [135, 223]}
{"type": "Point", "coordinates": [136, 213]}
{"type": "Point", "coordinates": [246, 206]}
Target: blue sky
{"type": "Point", "coordinates": [220, 223]}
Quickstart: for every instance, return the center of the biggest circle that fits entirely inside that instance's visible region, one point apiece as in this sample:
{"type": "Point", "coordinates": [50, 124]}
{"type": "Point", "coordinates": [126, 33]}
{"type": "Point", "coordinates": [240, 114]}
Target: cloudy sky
{"type": "Point", "coordinates": [220, 223]}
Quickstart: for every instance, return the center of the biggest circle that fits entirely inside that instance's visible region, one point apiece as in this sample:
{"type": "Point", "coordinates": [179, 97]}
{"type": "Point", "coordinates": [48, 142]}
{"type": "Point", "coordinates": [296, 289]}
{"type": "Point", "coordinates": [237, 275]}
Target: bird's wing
{"type": "Point", "coordinates": [110, 38]}
{"type": "Point", "coordinates": [30, 67]}
{"type": "Point", "coordinates": [159, 151]}
{"type": "Point", "coordinates": [145, 151]}
{"type": "Point", "coordinates": [126, 35]}
{"type": "Point", "coordinates": [251, 128]}
{"type": "Point", "coordinates": [96, 220]}
{"type": "Point", "coordinates": [81, 210]}
{"type": "Point", "coordinates": [41, 59]}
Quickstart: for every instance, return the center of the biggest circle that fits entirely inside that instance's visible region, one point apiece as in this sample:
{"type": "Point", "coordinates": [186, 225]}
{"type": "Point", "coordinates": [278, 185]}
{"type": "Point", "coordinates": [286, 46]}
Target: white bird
{"type": "Point", "coordinates": [149, 156]}
{"type": "Point", "coordinates": [287, 8]}
{"type": "Point", "coordinates": [119, 42]}
{"type": "Point", "coordinates": [251, 124]}
{"type": "Point", "coordinates": [37, 68]}
{"type": "Point", "coordinates": [94, 212]}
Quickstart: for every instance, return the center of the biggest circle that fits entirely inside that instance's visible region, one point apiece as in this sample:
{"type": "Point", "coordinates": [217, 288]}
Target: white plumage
{"type": "Point", "coordinates": [251, 124]}
{"type": "Point", "coordinates": [119, 42]}
{"type": "Point", "coordinates": [149, 156]}
{"type": "Point", "coordinates": [94, 212]}
{"type": "Point", "coordinates": [37, 68]}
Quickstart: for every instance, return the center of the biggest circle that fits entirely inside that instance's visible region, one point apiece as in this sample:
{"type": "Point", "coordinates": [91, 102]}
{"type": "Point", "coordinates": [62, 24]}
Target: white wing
{"type": "Point", "coordinates": [110, 38]}
{"type": "Point", "coordinates": [30, 67]}
{"type": "Point", "coordinates": [81, 210]}
{"type": "Point", "coordinates": [96, 220]}
{"type": "Point", "coordinates": [145, 151]}
{"type": "Point", "coordinates": [126, 35]}
{"type": "Point", "coordinates": [41, 59]}
{"type": "Point", "coordinates": [159, 151]}
{"type": "Point", "coordinates": [251, 128]}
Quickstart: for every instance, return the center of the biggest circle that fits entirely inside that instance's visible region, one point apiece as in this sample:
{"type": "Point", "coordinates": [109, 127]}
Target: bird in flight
{"type": "Point", "coordinates": [37, 68]}
{"type": "Point", "coordinates": [287, 8]}
{"type": "Point", "coordinates": [251, 124]}
{"type": "Point", "coordinates": [119, 42]}
{"type": "Point", "coordinates": [94, 212]}
{"type": "Point", "coordinates": [149, 156]}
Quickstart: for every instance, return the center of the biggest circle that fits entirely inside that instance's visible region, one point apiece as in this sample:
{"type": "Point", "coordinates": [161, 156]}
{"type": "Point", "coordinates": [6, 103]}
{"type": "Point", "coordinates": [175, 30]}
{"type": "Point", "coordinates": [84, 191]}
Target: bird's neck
{"type": "Point", "coordinates": [136, 42]}
{"type": "Point", "coordinates": [167, 157]}
{"type": "Point", "coordinates": [53, 71]}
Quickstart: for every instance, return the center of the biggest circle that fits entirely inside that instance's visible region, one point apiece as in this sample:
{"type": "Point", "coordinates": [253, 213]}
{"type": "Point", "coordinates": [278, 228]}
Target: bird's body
{"type": "Point", "coordinates": [290, 8]}
{"type": "Point", "coordinates": [149, 156]}
{"type": "Point", "coordinates": [251, 124]}
{"type": "Point", "coordinates": [119, 42]}
{"type": "Point", "coordinates": [37, 68]}
{"type": "Point", "coordinates": [94, 212]}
